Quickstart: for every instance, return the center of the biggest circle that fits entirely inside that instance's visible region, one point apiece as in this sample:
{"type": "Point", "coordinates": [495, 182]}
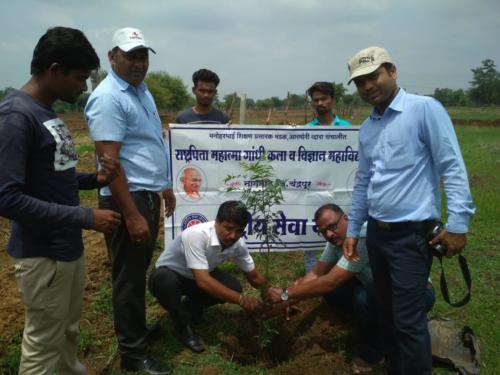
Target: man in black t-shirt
{"type": "Point", "coordinates": [39, 192]}
{"type": "Point", "coordinates": [204, 89]}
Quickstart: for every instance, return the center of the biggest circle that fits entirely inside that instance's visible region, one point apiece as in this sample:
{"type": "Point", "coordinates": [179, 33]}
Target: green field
{"type": "Point", "coordinates": [460, 115]}
{"type": "Point", "coordinates": [481, 149]}
{"type": "Point", "coordinates": [479, 113]}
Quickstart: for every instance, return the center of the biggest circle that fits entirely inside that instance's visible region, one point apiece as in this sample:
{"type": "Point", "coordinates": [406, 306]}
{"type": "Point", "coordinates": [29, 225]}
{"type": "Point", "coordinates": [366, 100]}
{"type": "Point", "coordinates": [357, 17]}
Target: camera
{"type": "Point", "coordinates": [438, 249]}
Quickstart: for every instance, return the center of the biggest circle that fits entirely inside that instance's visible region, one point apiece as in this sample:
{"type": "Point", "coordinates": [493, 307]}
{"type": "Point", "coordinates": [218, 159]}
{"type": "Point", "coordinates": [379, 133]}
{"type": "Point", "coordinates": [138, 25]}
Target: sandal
{"type": "Point", "coordinates": [360, 366]}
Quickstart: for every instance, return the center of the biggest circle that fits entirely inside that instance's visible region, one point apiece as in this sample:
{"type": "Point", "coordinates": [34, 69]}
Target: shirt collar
{"type": "Point", "coordinates": [397, 105]}
{"type": "Point", "coordinates": [398, 101]}
{"type": "Point", "coordinates": [215, 243]}
{"type": "Point", "coordinates": [334, 122]}
{"type": "Point", "coordinates": [124, 85]}
{"type": "Point", "coordinates": [214, 240]}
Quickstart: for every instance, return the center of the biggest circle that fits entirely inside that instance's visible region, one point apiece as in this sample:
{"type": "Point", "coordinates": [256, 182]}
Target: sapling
{"type": "Point", "coordinates": [261, 194]}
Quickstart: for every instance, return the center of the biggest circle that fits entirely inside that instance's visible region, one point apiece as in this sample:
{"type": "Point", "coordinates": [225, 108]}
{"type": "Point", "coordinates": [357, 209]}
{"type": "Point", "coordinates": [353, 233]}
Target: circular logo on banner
{"type": "Point", "coordinates": [193, 219]}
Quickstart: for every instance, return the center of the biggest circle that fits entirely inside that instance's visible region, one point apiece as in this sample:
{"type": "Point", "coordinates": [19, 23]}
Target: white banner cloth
{"type": "Point", "coordinates": [319, 164]}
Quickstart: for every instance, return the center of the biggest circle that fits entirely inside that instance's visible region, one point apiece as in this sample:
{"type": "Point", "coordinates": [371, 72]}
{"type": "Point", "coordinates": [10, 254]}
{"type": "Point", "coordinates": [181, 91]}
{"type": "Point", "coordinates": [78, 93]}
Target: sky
{"type": "Point", "coordinates": [266, 48]}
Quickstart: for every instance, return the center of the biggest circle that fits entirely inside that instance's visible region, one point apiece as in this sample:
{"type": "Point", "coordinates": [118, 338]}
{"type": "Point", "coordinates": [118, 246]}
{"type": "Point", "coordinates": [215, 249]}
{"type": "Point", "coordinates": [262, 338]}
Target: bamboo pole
{"type": "Point", "coordinates": [243, 107]}
{"type": "Point", "coordinates": [306, 104]}
{"type": "Point", "coordinates": [231, 107]}
{"type": "Point", "coordinates": [268, 119]}
{"type": "Point", "coordinates": [286, 107]}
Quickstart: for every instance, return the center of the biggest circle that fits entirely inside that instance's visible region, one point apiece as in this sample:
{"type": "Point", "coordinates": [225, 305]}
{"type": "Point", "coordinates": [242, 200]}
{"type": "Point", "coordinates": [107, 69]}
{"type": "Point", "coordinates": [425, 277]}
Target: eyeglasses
{"type": "Point", "coordinates": [332, 227]}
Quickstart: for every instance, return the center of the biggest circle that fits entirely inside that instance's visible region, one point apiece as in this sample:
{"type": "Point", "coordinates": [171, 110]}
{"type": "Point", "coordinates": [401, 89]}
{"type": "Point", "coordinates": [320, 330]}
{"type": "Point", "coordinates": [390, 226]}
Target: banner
{"type": "Point", "coordinates": [319, 164]}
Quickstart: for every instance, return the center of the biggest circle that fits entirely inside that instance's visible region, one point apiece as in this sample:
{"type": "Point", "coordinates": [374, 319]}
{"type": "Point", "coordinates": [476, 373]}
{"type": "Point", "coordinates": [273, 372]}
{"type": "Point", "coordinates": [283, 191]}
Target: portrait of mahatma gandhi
{"type": "Point", "coordinates": [191, 182]}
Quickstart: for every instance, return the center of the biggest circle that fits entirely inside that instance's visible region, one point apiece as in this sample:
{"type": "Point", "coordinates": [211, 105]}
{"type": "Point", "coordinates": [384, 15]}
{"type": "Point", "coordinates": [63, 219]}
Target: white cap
{"type": "Point", "coordinates": [129, 39]}
{"type": "Point", "coordinates": [367, 61]}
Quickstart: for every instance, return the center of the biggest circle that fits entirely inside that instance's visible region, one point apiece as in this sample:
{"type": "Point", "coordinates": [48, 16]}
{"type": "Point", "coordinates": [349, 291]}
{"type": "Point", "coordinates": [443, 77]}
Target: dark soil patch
{"type": "Point", "coordinates": [311, 342]}
{"type": "Point", "coordinates": [477, 181]}
{"type": "Point", "coordinates": [495, 122]}
{"type": "Point", "coordinates": [209, 370]}
{"type": "Point", "coordinates": [11, 312]}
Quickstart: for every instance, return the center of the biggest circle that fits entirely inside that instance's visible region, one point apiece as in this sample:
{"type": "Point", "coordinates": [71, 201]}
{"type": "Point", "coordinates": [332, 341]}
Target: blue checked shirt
{"type": "Point", "coordinates": [117, 111]}
{"type": "Point", "coordinates": [402, 156]}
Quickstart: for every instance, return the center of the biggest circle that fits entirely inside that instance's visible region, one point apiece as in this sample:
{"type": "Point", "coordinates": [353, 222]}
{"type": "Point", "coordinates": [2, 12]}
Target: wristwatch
{"type": "Point", "coordinates": [284, 295]}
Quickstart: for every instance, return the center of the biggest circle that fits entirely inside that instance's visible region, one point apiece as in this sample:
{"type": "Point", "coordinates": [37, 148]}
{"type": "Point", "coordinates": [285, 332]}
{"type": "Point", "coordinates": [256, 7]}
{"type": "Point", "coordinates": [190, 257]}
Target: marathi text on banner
{"type": "Point", "coordinates": [318, 164]}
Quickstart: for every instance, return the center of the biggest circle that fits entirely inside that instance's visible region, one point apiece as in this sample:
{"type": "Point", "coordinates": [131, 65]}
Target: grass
{"type": "Point", "coordinates": [474, 113]}
{"type": "Point", "coordinates": [10, 358]}
{"type": "Point", "coordinates": [101, 300]}
{"type": "Point", "coordinates": [481, 149]}
{"type": "Point", "coordinates": [85, 148]}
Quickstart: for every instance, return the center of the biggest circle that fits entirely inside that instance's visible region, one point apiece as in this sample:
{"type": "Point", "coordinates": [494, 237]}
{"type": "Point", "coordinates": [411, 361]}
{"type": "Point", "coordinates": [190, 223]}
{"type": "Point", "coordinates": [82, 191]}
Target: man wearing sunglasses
{"type": "Point", "coordinates": [344, 284]}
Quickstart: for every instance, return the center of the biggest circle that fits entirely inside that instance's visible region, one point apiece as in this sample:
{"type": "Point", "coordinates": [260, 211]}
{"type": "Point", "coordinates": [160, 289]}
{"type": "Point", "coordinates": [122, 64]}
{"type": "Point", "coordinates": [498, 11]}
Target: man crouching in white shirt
{"type": "Point", "coordinates": [186, 278]}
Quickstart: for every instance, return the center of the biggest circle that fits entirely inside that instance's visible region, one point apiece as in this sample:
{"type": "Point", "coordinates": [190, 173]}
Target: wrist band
{"type": "Point", "coordinates": [241, 299]}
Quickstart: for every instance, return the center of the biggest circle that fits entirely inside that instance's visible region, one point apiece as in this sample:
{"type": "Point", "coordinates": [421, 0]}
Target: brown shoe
{"type": "Point", "coordinates": [360, 366]}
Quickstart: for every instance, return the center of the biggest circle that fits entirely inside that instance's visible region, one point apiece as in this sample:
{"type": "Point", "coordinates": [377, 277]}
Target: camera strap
{"type": "Point", "coordinates": [466, 275]}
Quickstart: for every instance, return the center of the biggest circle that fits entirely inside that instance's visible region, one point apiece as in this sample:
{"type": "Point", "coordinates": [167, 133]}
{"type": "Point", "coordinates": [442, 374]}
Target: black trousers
{"type": "Point", "coordinates": [168, 287]}
{"type": "Point", "coordinates": [401, 263]}
{"type": "Point", "coordinates": [130, 262]}
{"type": "Point", "coordinates": [358, 299]}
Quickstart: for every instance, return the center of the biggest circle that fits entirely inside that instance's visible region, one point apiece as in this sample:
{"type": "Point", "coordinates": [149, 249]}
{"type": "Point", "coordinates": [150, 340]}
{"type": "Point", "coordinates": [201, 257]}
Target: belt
{"type": "Point", "coordinates": [401, 225]}
{"type": "Point", "coordinates": [137, 192]}
{"type": "Point", "coordinates": [144, 192]}
{"type": "Point", "coordinates": [150, 197]}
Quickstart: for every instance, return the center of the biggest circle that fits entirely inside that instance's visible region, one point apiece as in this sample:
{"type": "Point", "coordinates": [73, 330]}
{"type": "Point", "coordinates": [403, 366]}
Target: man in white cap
{"type": "Point", "coordinates": [124, 123]}
{"type": "Point", "coordinates": [406, 146]}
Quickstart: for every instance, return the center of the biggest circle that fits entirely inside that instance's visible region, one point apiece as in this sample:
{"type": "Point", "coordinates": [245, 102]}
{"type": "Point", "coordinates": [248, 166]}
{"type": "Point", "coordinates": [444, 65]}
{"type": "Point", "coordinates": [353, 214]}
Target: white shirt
{"type": "Point", "coordinates": [198, 247]}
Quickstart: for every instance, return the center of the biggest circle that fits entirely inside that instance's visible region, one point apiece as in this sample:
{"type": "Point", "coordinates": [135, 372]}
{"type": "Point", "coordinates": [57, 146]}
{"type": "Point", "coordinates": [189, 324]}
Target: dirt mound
{"type": "Point", "coordinates": [312, 341]}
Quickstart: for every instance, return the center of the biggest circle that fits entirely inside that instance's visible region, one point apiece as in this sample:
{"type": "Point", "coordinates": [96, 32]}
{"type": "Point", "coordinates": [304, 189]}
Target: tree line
{"type": "Point", "coordinates": [171, 94]}
{"type": "Point", "coordinates": [291, 100]}
{"type": "Point", "coordinates": [484, 90]}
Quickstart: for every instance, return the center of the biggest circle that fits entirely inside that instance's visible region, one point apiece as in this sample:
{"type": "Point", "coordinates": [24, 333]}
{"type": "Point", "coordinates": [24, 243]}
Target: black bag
{"type": "Point", "coordinates": [454, 347]}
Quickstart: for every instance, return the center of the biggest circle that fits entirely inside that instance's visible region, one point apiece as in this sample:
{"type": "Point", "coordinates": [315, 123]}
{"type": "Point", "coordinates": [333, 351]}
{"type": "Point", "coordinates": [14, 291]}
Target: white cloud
{"type": "Point", "coordinates": [270, 47]}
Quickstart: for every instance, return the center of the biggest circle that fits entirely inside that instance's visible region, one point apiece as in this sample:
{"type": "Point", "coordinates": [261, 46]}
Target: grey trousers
{"type": "Point", "coordinates": [130, 262]}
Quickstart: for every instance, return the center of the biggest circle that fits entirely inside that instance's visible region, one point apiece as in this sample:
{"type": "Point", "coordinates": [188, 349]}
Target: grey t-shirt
{"type": "Point", "coordinates": [189, 116]}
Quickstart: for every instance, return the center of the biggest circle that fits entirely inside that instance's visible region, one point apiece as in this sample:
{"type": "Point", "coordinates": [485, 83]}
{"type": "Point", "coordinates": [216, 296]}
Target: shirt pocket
{"type": "Point", "coordinates": [398, 154]}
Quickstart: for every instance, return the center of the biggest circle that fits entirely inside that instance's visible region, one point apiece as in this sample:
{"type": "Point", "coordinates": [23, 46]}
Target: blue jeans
{"type": "Point", "coordinates": [353, 297]}
{"type": "Point", "coordinates": [400, 263]}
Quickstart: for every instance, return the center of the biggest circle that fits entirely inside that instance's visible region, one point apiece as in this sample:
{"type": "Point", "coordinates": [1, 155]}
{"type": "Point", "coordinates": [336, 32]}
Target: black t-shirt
{"type": "Point", "coordinates": [39, 183]}
{"type": "Point", "coordinates": [189, 116]}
